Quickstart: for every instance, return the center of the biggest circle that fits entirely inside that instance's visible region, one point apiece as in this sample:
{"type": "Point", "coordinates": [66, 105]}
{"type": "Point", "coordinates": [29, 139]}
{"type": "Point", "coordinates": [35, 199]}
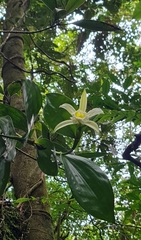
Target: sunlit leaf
{"type": "Point", "coordinates": [90, 187]}
{"type": "Point", "coordinates": [137, 12]}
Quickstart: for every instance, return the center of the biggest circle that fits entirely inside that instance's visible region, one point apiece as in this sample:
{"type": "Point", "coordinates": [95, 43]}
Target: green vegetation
{"type": "Point", "coordinates": [62, 172]}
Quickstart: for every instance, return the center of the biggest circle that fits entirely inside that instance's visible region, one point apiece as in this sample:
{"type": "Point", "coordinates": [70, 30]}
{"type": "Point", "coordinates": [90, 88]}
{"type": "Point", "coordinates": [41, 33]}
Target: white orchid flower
{"type": "Point", "coordinates": [80, 116]}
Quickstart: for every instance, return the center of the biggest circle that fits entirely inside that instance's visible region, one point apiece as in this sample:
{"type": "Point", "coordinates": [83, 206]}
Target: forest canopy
{"type": "Point", "coordinates": [70, 119]}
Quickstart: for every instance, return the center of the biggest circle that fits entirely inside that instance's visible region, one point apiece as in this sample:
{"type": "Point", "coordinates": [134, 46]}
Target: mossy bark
{"type": "Point", "coordinates": [26, 177]}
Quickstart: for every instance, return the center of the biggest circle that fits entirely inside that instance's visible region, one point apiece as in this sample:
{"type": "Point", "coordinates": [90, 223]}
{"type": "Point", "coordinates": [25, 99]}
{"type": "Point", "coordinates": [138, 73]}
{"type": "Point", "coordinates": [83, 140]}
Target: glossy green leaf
{"type": "Point", "coordinates": [32, 101]}
{"type": "Point", "coordinates": [73, 4]}
{"type": "Point", "coordinates": [4, 175]}
{"type": "Point", "coordinates": [47, 162]}
{"type": "Point", "coordinates": [42, 143]}
{"type": "Point", "coordinates": [60, 148]}
{"type": "Point", "coordinates": [90, 187]}
{"type": "Point", "coordinates": [137, 12]}
{"type": "Point", "coordinates": [96, 25]}
{"type": "Point", "coordinates": [7, 128]}
{"type": "Point", "coordinates": [51, 4]}
{"type": "Point", "coordinates": [53, 114]}
{"type": "Point", "coordinates": [18, 118]}
{"type": "Point", "coordinates": [45, 131]}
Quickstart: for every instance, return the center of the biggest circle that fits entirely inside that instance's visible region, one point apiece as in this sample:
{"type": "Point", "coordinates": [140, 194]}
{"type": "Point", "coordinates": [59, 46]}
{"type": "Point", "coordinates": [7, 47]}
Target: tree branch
{"type": "Point", "coordinates": [35, 71]}
{"type": "Point", "coordinates": [133, 147]}
{"type": "Point", "coordinates": [52, 59]}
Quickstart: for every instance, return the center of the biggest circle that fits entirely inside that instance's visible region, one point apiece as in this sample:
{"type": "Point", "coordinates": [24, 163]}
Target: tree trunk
{"type": "Point", "coordinates": [26, 177]}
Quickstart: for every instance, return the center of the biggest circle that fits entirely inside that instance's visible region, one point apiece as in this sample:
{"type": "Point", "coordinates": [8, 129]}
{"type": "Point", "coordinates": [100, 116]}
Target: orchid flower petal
{"type": "Point", "coordinates": [92, 125]}
{"type": "Point", "coordinates": [69, 108]}
{"type": "Point", "coordinates": [83, 102]}
{"type": "Point", "coordinates": [63, 124]}
{"type": "Point", "coordinates": [94, 112]}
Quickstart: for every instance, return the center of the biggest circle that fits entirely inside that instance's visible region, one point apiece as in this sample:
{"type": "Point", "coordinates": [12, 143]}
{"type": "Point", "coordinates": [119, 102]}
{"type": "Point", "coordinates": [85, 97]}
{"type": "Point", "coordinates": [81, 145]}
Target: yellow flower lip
{"type": "Point", "coordinates": [80, 116]}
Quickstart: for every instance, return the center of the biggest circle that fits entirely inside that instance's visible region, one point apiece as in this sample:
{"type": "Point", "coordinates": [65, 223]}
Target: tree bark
{"type": "Point", "coordinates": [26, 177]}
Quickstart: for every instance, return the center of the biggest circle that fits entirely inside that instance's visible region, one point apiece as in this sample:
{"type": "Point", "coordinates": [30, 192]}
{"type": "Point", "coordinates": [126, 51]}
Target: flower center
{"type": "Point", "coordinates": [79, 115]}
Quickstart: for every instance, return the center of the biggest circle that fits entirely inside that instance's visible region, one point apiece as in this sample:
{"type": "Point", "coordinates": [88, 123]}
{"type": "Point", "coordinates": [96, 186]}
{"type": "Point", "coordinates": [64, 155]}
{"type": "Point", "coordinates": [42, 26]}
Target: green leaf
{"type": "Point", "coordinates": [42, 143]}
{"type": "Point", "coordinates": [22, 200]}
{"type": "Point", "coordinates": [7, 128]}
{"type": "Point", "coordinates": [1, 90]}
{"type": "Point", "coordinates": [14, 88]}
{"type": "Point", "coordinates": [91, 154]}
{"type": "Point", "coordinates": [73, 4]}
{"type": "Point", "coordinates": [2, 146]}
{"type": "Point", "coordinates": [45, 131]}
{"type": "Point", "coordinates": [18, 118]}
{"type": "Point", "coordinates": [110, 103]}
{"type": "Point", "coordinates": [51, 4]}
{"type": "Point", "coordinates": [130, 115]}
{"type": "Point", "coordinates": [46, 162]}
{"type": "Point", "coordinates": [53, 114]}
{"type": "Point", "coordinates": [137, 12]}
{"type": "Point", "coordinates": [59, 147]}
{"type": "Point", "coordinates": [105, 86]}
{"type": "Point", "coordinates": [96, 25]}
{"type": "Point", "coordinates": [4, 175]}
{"type": "Point", "coordinates": [60, 13]}
{"type": "Point", "coordinates": [128, 81]}
{"type": "Point", "coordinates": [90, 187]}
{"type": "Point", "coordinates": [32, 101]}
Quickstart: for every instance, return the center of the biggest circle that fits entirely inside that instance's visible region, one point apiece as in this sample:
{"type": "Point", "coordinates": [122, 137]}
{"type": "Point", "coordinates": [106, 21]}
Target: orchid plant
{"type": "Point", "coordinates": [88, 183]}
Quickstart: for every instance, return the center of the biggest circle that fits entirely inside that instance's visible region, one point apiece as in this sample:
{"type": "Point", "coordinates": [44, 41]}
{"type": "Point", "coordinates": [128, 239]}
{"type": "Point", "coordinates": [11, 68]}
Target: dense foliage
{"type": "Point", "coordinates": [69, 47]}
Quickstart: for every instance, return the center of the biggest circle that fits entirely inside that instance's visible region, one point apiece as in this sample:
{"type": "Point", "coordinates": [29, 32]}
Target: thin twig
{"type": "Point", "coordinates": [26, 154]}
{"type": "Point", "coordinates": [28, 32]}
{"type": "Point", "coordinates": [12, 63]}
{"type": "Point", "coordinates": [36, 71]}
